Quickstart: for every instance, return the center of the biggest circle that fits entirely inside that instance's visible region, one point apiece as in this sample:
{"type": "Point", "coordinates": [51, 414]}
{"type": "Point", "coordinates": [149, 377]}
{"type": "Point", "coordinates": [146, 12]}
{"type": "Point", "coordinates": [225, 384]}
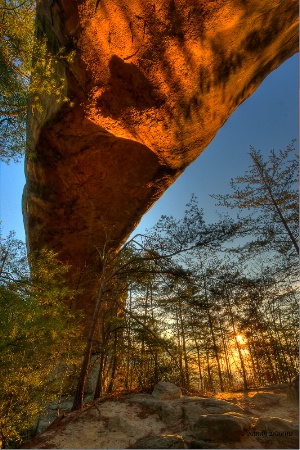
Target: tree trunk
{"type": "Point", "coordinates": [184, 352]}
{"type": "Point", "coordinates": [114, 363]}
{"type": "Point", "coordinates": [212, 332]}
{"type": "Point", "coordinates": [78, 399]}
{"type": "Point", "coordinates": [243, 368]}
{"type": "Point", "coordinates": [99, 385]}
{"type": "Point", "coordinates": [227, 361]}
{"type": "Point", "coordinates": [199, 365]}
{"type": "Point", "coordinates": [210, 381]}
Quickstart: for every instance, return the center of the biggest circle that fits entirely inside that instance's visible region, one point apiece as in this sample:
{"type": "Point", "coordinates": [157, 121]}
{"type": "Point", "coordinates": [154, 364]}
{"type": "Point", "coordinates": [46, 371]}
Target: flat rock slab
{"type": "Point", "coordinates": [193, 410]}
{"type": "Point", "coordinates": [141, 421]}
{"type": "Point", "coordinates": [188, 409]}
{"type": "Point", "coordinates": [131, 427]}
{"type": "Point", "coordinates": [266, 398]}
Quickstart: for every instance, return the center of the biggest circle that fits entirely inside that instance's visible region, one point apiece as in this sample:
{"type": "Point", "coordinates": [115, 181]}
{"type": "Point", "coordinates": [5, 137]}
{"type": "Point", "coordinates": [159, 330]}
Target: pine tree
{"type": "Point", "coordinates": [268, 192]}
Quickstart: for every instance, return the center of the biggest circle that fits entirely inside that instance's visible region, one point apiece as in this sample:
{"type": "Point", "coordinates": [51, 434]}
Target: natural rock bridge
{"type": "Point", "coordinates": [150, 85]}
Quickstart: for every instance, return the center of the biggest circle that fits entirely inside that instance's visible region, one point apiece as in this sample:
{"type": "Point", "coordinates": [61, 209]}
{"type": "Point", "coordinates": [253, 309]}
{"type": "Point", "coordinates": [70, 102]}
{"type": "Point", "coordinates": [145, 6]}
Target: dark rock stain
{"type": "Point", "coordinates": [127, 87]}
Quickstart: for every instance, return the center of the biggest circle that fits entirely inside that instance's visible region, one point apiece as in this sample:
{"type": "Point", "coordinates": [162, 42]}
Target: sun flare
{"type": "Point", "coordinates": [240, 339]}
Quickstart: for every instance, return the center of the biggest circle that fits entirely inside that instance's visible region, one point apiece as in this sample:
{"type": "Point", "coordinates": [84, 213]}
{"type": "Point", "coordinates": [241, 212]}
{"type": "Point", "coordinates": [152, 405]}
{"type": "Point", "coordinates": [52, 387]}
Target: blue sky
{"type": "Point", "coordinates": [267, 120]}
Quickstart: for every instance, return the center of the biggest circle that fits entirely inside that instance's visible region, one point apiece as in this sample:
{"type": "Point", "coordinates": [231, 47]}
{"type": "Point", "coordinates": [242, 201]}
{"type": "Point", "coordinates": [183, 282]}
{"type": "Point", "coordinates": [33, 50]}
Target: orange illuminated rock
{"type": "Point", "coordinates": [150, 85]}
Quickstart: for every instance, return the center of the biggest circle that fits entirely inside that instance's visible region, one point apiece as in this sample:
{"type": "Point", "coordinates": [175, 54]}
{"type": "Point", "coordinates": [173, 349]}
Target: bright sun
{"type": "Point", "coordinates": [240, 339]}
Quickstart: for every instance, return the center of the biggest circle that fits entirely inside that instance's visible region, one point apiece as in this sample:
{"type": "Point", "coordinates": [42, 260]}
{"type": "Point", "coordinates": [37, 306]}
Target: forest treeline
{"type": "Point", "coordinates": [207, 306]}
{"type": "Point", "coordinates": [210, 307]}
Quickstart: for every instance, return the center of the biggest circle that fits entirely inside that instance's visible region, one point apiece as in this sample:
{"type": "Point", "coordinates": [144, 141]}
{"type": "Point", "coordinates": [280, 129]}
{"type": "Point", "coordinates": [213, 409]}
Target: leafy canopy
{"type": "Point", "coordinates": [29, 72]}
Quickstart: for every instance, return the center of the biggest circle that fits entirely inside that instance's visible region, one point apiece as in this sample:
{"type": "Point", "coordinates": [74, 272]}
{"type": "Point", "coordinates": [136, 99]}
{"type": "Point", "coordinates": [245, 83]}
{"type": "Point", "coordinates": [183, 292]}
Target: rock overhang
{"type": "Point", "coordinates": [150, 85]}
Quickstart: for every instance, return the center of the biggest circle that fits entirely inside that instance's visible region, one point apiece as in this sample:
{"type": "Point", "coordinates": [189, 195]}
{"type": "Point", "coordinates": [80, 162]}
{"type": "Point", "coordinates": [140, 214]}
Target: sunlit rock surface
{"type": "Point", "coordinates": [149, 87]}
{"type": "Point", "coordinates": [227, 420]}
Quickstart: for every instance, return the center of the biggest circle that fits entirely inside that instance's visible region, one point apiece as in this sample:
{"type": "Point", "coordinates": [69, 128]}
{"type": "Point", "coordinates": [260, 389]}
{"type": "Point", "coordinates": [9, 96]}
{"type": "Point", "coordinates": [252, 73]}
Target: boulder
{"type": "Point", "coordinates": [220, 427]}
{"type": "Point", "coordinates": [163, 441]}
{"type": "Point", "coordinates": [277, 433]}
{"type": "Point", "coordinates": [164, 390]}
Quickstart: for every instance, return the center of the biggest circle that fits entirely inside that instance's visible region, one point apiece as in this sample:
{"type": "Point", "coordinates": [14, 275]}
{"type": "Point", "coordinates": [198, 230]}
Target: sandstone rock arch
{"type": "Point", "coordinates": [150, 85]}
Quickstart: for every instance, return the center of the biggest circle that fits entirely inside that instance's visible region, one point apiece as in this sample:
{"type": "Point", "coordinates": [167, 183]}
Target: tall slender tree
{"type": "Point", "coordinates": [268, 192]}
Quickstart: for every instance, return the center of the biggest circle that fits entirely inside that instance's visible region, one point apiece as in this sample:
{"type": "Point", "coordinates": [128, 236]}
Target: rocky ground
{"type": "Point", "coordinates": [266, 418]}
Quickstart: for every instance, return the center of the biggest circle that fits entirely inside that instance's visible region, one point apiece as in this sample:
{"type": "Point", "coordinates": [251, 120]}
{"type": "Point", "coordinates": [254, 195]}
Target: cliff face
{"type": "Point", "coordinates": [149, 87]}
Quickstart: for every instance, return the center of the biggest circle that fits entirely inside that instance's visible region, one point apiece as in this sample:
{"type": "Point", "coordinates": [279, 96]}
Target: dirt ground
{"type": "Point", "coordinates": [115, 423]}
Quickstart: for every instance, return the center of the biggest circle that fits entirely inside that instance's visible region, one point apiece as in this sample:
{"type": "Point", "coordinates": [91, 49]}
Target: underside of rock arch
{"type": "Point", "coordinates": [149, 86]}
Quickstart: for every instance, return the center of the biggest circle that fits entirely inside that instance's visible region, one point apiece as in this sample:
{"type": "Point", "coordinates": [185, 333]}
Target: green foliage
{"type": "Point", "coordinates": [29, 72]}
{"type": "Point", "coordinates": [38, 336]}
{"type": "Point", "coordinates": [47, 78]}
{"type": "Point", "coordinates": [16, 43]}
